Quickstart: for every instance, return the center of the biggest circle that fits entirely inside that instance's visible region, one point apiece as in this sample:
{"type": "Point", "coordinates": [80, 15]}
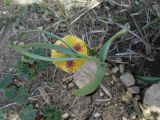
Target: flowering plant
{"type": "Point", "coordinates": [69, 54]}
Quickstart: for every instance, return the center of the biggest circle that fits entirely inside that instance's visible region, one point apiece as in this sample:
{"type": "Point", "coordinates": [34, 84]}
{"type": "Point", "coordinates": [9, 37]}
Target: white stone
{"type": "Point", "coordinates": [152, 96]}
{"type": "Point", "coordinates": [127, 79]}
{"type": "Point", "coordinates": [71, 85]}
{"type": "Point", "coordinates": [115, 69]}
{"type": "Point", "coordinates": [15, 42]}
{"type": "Point", "coordinates": [121, 68]}
{"type": "Point", "coordinates": [96, 115]}
{"type": "Point", "coordinates": [65, 115]}
{"type": "Point", "coordinates": [101, 94]}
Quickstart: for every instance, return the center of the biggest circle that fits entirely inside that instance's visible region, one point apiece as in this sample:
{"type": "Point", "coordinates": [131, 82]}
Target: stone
{"type": "Point", "coordinates": [115, 69]}
{"type": "Point", "coordinates": [152, 96]}
{"type": "Point", "coordinates": [124, 118]}
{"type": "Point", "coordinates": [151, 101]}
{"type": "Point", "coordinates": [71, 85]}
{"type": "Point", "coordinates": [127, 97]}
{"type": "Point", "coordinates": [21, 43]}
{"type": "Point", "coordinates": [134, 89]}
{"type": "Point", "coordinates": [101, 94]}
{"type": "Point", "coordinates": [127, 79]}
{"type": "Point", "coordinates": [65, 115]}
{"type": "Point", "coordinates": [85, 74]}
{"type": "Point", "coordinates": [15, 42]}
{"type": "Point", "coordinates": [121, 68]}
{"type": "Point", "coordinates": [96, 115]}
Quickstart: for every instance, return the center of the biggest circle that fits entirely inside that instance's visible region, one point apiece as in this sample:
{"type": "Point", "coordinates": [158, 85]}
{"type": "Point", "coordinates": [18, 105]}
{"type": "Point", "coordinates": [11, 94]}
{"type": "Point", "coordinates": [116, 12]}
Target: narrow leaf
{"type": "Point", "coordinates": [27, 113]}
{"type": "Point", "coordinates": [29, 54]}
{"type": "Point", "coordinates": [104, 50]}
{"type": "Point", "coordinates": [148, 79]}
{"type": "Point", "coordinates": [50, 46]}
{"type": "Point", "coordinates": [90, 87]}
{"type": "Point", "coordinates": [5, 80]}
{"type": "Point", "coordinates": [10, 93]}
{"type": "Point", "coordinates": [22, 95]}
{"type": "Point", "coordinates": [55, 37]}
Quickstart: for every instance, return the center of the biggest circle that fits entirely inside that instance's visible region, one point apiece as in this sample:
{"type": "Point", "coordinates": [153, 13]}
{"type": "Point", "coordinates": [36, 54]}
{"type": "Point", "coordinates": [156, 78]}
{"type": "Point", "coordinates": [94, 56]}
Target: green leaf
{"type": "Point", "coordinates": [10, 93]}
{"type": "Point", "coordinates": [23, 69]}
{"type": "Point", "coordinates": [148, 79]}
{"type": "Point", "coordinates": [104, 50]}
{"type": "Point", "coordinates": [55, 37]}
{"type": "Point", "coordinates": [27, 113]}
{"type": "Point", "coordinates": [2, 114]}
{"type": "Point", "coordinates": [51, 112]}
{"type": "Point", "coordinates": [5, 80]}
{"type": "Point", "coordinates": [29, 54]}
{"type": "Point", "coordinates": [90, 87]}
{"type": "Point", "coordinates": [22, 10]}
{"type": "Point", "coordinates": [50, 46]}
{"type": "Point", "coordinates": [22, 96]}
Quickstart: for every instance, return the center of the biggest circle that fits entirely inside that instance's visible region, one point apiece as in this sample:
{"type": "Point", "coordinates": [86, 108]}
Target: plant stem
{"type": "Point", "coordinates": [113, 38]}
{"type": "Point", "coordinates": [90, 58]}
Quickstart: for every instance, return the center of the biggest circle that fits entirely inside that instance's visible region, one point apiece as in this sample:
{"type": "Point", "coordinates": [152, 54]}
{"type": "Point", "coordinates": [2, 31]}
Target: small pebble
{"type": "Point", "coordinates": [64, 86]}
{"type": "Point", "coordinates": [40, 28]}
{"type": "Point", "coordinates": [115, 69]}
{"type": "Point", "coordinates": [114, 78]}
{"type": "Point", "coordinates": [133, 116]}
{"type": "Point", "coordinates": [112, 82]}
{"type": "Point", "coordinates": [4, 12]}
{"type": "Point", "coordinates": [127, 79]}
{"type": "Point", "coordinates": [96, 115]}
{"type": "Point", "coordinates": [71, 85]}
{"type": "Point", "coordinates": [121, 68]}
{"type": "Point", "coordinates": [21, 43]}
{"type": "Point", "coordinates": [134, 89]}
{"type": "Point", "coordinates": [124, 118]}
{"type": "Point", "coordinates": [101, 94]}
{"type": "Point", "coordinates": [15, 42]}
{"type": "Point", "coordinates": [65, 115]}
{"type": "Point", "coordinates": [127, 97]}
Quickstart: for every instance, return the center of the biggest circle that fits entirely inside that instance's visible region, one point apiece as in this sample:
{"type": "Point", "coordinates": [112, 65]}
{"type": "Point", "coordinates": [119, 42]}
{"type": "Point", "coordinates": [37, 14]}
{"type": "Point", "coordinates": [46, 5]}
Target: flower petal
{"type": "Point", "coordinates": [78, 45]}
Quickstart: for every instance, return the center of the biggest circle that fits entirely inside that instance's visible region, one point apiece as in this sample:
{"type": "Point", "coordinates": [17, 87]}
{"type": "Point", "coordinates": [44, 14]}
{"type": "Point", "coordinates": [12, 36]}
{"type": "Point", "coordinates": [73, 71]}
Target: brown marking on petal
{"type": "Point", "coordinates": [70, 63]}
{"type": "Point", "coordinates": [77, 47]}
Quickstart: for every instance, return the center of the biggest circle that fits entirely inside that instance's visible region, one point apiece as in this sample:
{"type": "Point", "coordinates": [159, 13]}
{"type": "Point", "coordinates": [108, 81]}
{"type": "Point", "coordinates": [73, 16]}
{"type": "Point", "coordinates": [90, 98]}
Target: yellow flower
{"type": "Point", "coordinates": [73, 65]}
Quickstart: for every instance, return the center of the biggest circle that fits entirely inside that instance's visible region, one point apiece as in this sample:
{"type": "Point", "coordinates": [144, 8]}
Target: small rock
{"type": "Point", "coordinates": [121, 68]}
{"type": "Point", "coordinates": [101, 94]}
{"type": "Point", "coordinates": [21, 43]}
{"type": "Point", "coordinates": [96, 115]}
{"type": "Point", "coordinates": [65, 115]}
{"type": "Point", "coordinates": [40, 28]}
{"type": "Point", "coordinates": [137, 97]}
{"type": "Point", "coordinates": [134, 89]}
{"type": "Point", "coordinates": [133, 116]}
{"type": "Point", "coordinates": [115, 69]}
{"type": "Point", "coordinates": [127, 97]}
{"type": "Point", "coordinates": [124, 118]}
{"type": "Point", "coordinates": [64, 86]}
{"type": "Point", "coordinates": [71, 85]}
{"type": "Point", "coordinates": [15, 42]}
{"type": "Point", "coordinates": [4, 12]}
{"type": "Point", "coordinates": [112, 82]}
{"type": "Point", "coordinates": [127, 79]}
{"type": "Point", "coordinates": [114, 78]}
{"type": "Point", "coordinates": [152, 96]}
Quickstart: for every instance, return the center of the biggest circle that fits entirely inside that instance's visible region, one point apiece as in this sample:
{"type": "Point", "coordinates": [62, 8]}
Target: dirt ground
{"type": "Point", "coordinates": [138, 52]}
